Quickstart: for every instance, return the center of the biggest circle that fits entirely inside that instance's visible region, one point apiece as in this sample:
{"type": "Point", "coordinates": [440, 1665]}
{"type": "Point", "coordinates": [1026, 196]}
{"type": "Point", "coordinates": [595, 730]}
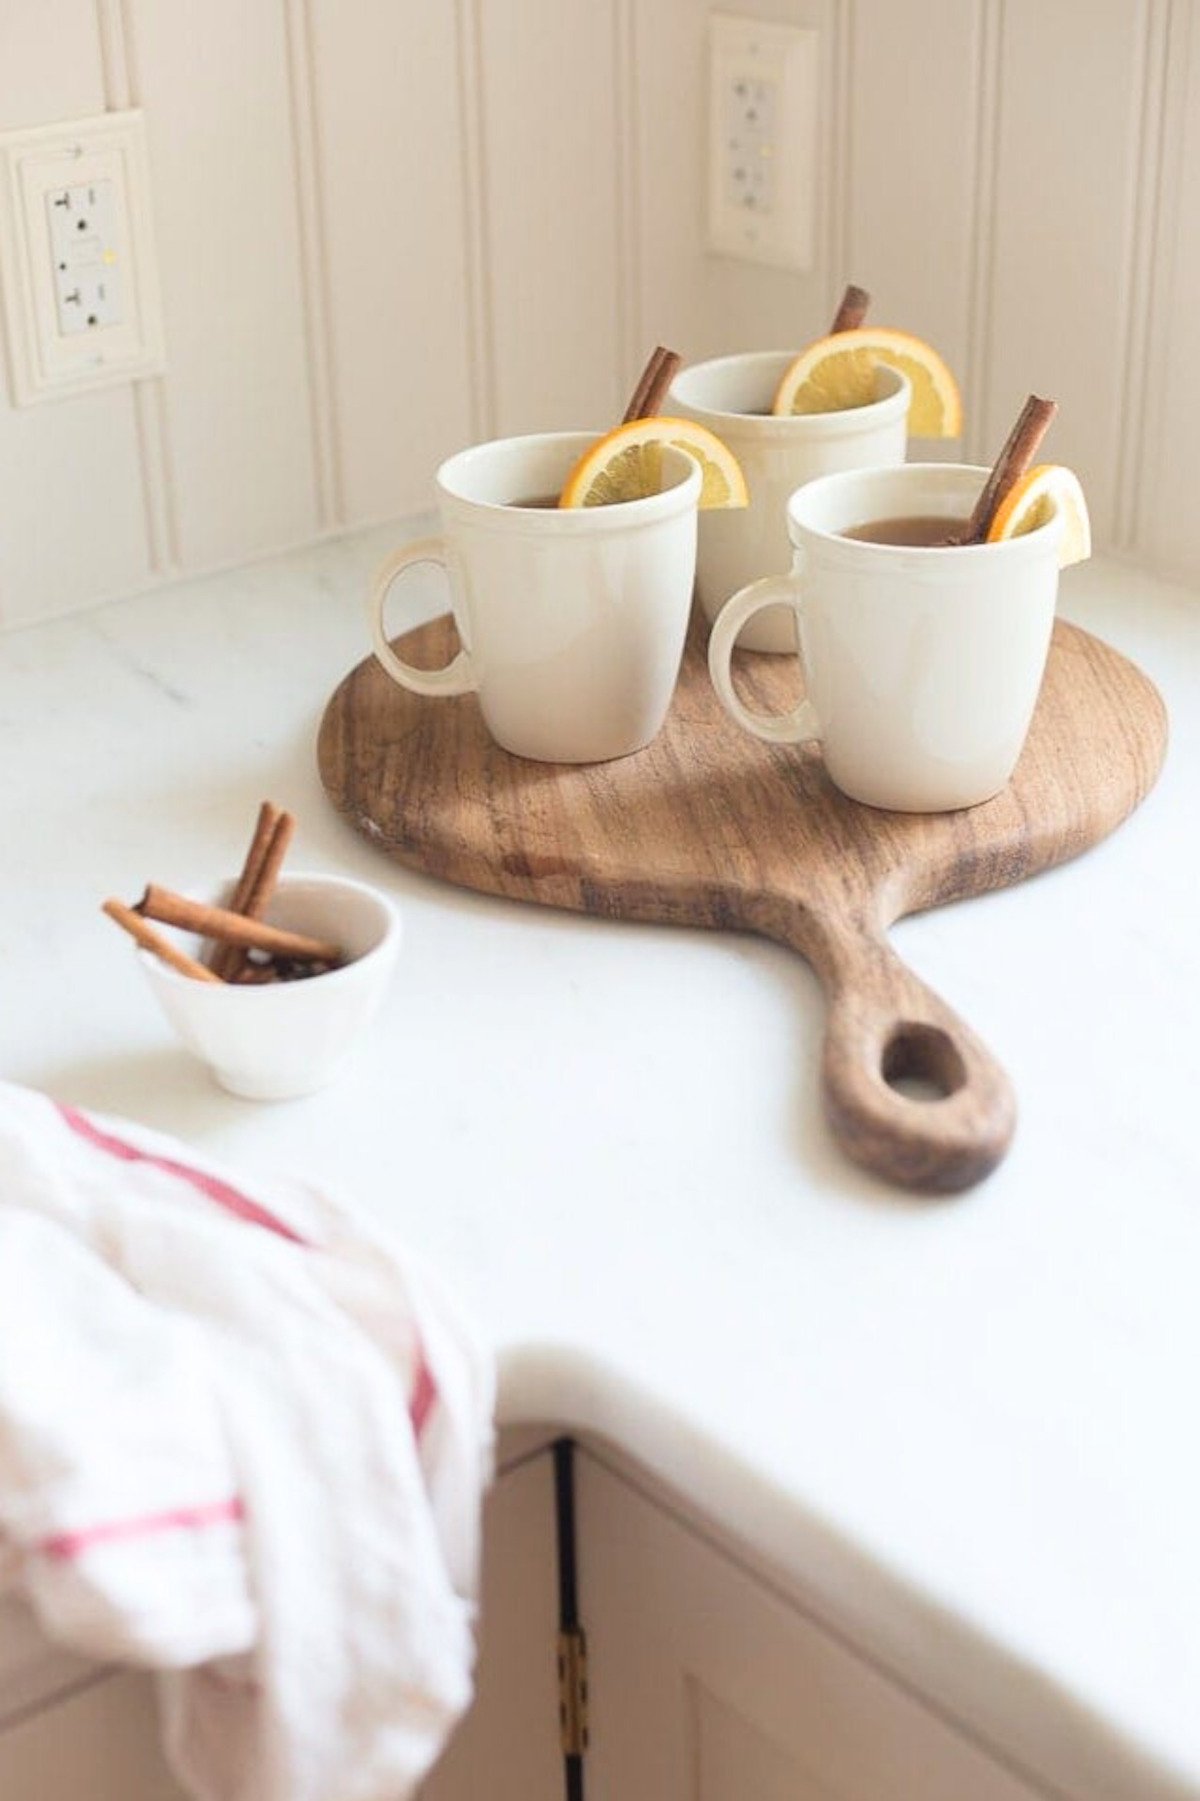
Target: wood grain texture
{"type": "Point", "coordinates": [710, 827]}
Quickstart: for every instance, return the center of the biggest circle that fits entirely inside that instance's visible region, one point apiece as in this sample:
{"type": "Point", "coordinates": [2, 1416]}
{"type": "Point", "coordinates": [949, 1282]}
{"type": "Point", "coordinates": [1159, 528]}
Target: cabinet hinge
{"type": "Point", "coordinates": [573, 1691]}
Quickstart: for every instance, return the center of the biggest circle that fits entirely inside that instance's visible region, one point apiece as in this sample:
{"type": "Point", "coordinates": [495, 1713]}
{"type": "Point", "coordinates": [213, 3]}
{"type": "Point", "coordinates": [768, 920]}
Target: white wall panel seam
{"type": "Point", "coordinates": [481, 352]}
{"type": "Point", "coordinates": [836, 131]}
{"type": "Point", "coordinates": [119, 72]}
{"type": "Point", "coordinates": [1148, 356]}
{"type": "Point", "coordinates": [987, 104]}
{"type": "Point", "coordinates": [1148, 81]}
{"type": "Point", "coordinates": [315, 295]}
{"type": "Point", "coordinates": [633, 347]}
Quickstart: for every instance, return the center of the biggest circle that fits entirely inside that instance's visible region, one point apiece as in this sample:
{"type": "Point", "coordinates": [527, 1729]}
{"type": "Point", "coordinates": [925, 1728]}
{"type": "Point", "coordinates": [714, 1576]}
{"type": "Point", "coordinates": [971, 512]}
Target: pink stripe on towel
{"type": "Point", "coordinates": [230, 1198]}
{"type": "Point", "coordinates": [64, 1545]}
{"type": "Point", "coordinates": [424, 1394]}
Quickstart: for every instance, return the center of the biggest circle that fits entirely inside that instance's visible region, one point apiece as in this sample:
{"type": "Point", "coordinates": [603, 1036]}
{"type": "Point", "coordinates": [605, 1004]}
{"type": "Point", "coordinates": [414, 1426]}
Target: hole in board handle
{"type": "Point", "coordinates": [923, 1063]}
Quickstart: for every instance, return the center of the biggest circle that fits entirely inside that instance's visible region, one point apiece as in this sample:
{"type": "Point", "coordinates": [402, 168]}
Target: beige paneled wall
{"type": "Point", "coordinates": [1161, 436]}
{"type": "Point", "coordinates": [72, 515]}
{"type": "Point", "coordinates": [388, 104]}
{"type": "Point", "coordinates": [1057, 250]}
{"type": "Point", "coordinates": [912, 176]}
{"type": "Point", "coordinates": [389, 227]}
{"type": "Point", "coordinates": [239, 457]}
{"type": "Point", "coordinates": [549, 83]}
{"type": "Point", "coordinates": [700, 303]}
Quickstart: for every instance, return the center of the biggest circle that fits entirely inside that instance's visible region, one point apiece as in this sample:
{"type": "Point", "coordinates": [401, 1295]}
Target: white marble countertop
{"type": "Point", "coordinates": [964, 1430]}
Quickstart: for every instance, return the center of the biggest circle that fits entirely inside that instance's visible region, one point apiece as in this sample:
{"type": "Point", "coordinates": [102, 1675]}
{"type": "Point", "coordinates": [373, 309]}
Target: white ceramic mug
{"type": "Point", "coordinates": [732, 395]}
{"type": "Point", "coordinates": [922, 665]}
{"type": "Point", "coordinates": [572, 620]}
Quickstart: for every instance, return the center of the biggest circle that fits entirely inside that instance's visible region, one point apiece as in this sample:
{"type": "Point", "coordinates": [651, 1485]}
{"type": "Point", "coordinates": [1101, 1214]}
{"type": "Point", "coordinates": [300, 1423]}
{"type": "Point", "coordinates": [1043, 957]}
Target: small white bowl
{"type": "Point", "coordinates": [279, 1040]}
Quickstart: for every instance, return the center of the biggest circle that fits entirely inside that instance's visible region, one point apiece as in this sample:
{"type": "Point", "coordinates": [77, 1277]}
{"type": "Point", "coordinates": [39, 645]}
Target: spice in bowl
{"type": "Point", "coordinates": [241, 947]}
{"type": "Point", "coordinates": [239, 992]}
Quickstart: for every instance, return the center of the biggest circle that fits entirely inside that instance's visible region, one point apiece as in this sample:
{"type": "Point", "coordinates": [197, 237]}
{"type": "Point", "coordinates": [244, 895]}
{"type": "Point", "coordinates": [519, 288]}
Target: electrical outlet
{"type": "Point", "coordinates": [762, 141]}
{"type": "Point", "coordinates": [77, 270]}
{"type": "Point", "coordinates": [749, 136]}
{"type": "Point", "coordinates": [83, 244]}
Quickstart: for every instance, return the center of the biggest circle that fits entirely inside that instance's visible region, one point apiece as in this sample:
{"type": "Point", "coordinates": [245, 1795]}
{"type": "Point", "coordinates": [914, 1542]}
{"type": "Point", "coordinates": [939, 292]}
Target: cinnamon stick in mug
{"type": "Point", "coordinates": [1019, 450]}
{"type": "Point", "coordinates": [647, 398]}
{"type": "Point", "coordinates": [852, 309]}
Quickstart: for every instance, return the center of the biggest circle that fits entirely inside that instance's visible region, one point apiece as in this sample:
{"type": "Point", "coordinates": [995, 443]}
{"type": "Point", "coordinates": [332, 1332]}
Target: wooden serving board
{"type": "Point", "coordinates": [710, 827]}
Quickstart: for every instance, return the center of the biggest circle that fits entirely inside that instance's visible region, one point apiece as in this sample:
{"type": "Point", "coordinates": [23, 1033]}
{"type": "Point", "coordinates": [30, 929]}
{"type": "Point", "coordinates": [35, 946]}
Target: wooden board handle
{"type": "Point", "coordinates": [910, 1092]}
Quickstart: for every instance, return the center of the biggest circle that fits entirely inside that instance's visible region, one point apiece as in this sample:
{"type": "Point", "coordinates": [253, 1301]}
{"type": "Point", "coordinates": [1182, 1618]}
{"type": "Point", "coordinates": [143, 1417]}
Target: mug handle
{"type": "Point", "coordinates": [457, 677]}
{"type": "Point", "coordinates": [795, 727]}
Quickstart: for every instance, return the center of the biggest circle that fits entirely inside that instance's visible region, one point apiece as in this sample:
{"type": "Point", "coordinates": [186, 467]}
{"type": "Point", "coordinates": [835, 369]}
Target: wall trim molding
{"type": "Point", "coordinates": [632, 347]}
{"type": "Point", "coordinates": [1155, 221]}
{"type": "Point", "coordinates": [116, 74]}
{"type": "Point", "coordinates": [986, 107]}
{"type": "Point", "coordinates": [837, 236]}
{"type": "Point", "coordinates": [1138, 295]}
{"type": "Point", "coordinates": [481, 352]}
{"type": "Point", "coordinates": [316, 298]}
{"type": "Point", "coordinates": [118, 62]}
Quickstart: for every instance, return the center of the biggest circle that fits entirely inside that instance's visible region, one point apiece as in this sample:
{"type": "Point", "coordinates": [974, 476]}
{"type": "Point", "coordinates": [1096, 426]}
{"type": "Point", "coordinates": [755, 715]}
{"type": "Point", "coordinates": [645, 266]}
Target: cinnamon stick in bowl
{"type": "Point", "coordinates": [144, 935]}
{"type": "Point", "coordinates": [169, 908]}
{"type": "Point", "coordinates": [290, 1035]}
{"type": "Point", "coordinates": [273, 834]}
{"type": "Point", "coordinates": [243, 888]}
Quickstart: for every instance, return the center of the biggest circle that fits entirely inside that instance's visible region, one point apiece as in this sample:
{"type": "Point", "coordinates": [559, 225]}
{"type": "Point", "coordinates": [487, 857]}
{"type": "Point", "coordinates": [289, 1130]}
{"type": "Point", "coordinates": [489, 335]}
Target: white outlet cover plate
{"type": "Point", "coordinates": [44, 362]}
{"type": "Point", "coordinates": [780, 64]}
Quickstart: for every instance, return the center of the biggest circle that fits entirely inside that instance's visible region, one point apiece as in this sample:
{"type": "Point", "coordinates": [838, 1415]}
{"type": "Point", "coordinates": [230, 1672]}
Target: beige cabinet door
{"type": "Point", "coordinates": [707, 1686]}
{"type": "Point", "coordinates": [100, 1745]}
{"type": "Point", "coordinates": [507, 1747]}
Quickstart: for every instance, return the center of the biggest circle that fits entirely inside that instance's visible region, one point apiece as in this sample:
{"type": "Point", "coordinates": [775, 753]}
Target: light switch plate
{"type": "Point", "coordinates": [78, 275]}
{"type": "Point", "coordinates": [763, 105]}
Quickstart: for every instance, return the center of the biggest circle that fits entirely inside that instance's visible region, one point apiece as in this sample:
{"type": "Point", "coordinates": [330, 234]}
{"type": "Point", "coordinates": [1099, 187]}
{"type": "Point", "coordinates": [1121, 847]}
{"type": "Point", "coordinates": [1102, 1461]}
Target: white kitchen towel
{"type": "Point", "coordinates": [244, 1440]}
